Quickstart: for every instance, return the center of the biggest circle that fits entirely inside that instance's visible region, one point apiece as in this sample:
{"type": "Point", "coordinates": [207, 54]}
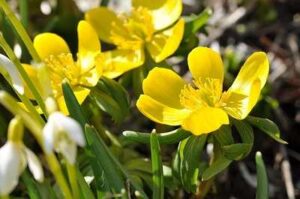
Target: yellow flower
{"type": "Point", "coordinates": [60, 65]}
{"type": "Point", "coordinates": [201, 107]}
{"type": "Point", "coordinates": [153, 25]}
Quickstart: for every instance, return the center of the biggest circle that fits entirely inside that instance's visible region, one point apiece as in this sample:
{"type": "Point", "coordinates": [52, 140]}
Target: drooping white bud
{"type": "Point", "coordinates": [62, 134]}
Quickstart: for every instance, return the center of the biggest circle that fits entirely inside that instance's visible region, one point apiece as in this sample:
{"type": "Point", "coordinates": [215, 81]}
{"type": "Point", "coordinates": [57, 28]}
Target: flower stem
{"type": "Point", "coordinates": [11, 104]}
{"type": "Point", "coordinates": [28, 105]}
{"type": "Point", "coordinates": [36, 129]}
{"type": "Point", "coordinates": [57, 172]}
{"type": "Point", "coordinates": [14, 59]}
{"type": "Point", "coordinates": [73, 180]}
{"type": "Point", "coordinates": [20, 30]}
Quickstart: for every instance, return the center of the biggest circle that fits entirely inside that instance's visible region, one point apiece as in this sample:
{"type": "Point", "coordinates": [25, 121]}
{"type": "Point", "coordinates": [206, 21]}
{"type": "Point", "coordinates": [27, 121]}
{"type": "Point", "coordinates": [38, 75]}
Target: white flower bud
{"type": "Point", "coordinates": [62, 134]}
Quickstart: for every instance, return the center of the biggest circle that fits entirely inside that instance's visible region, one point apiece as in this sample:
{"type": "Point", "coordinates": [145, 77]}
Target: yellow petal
{"type": "Point", "coordinates": [205, 120]}
{"type": "Point", "coordinates": [117, 62]}
{"type": "Point", "coordinates": [205, 63]}
{"type": "Point", "coordinates": [164, 12]}
{"type": "Point", "coordinates": [255, 67]}
{"type": "Point", "coordinates": [164, 86]}
{"type": "Point", "coordinates": [249, 82]}
{"type": "Point", "coordinates": [80, 94]}
{"type": "Point", "coordinates": [104, 21]}
{"type": "Point", "coordinates": [159, 112]}
{"type": "Point", "coordinates": [48, 44]}
{"type": "Point", "coordinates": [238, 105]}
{"type": "Point", "coordinates": [88, 41]}
{"type": "Point", "coordinates": [166, 43]}
{"type": "Point", "coordinates": [32, 73]}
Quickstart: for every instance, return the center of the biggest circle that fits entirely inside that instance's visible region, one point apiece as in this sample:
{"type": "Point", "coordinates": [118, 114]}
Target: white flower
{"type": "Point", "coordinates": [8, 70]}
{"type": "Point", "coordinates": [14, 157]}
{"type": "Point", "coordinates": [62, 133]}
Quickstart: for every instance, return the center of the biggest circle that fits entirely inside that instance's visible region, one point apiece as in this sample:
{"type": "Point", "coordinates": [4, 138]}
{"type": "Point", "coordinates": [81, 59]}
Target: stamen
{"type": "Point", "coordinates": [138, 28]}
{"type": "Point", "coordinates": [62, 67]}
{"type": "Point", "coordinates": [203, 92]}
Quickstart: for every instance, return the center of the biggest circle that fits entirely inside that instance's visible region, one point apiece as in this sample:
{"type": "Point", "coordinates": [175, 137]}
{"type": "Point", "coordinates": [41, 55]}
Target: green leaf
{"type": "Point", "coordinates": [31, 185]}
{"type": "Point", "coordinates": [171, 137]}
{"type": "Point", "coordinates": [37, 190]}
{"type": "Point", "coordinates": [111, 172]}
{"type": "Point", "coordinates": [111, 98]}
{"type": "Point", "coordinates": [84, 187]}
{"type": "Point", "coordinates": [262, 178]}
{"type": "Point", "coordinates": [107, 104]}
{"type": "Point", "coordinates": [96, 148]}
{"type": "Point", "coordinates": [267, 126]}
{"type": "Point", "coordinates": [195, 22]}
{"type": "Point", "coordinates": [157, 170]}
{"type": "Point", "coordinates": [219, 164]}
{"type": "Point", "coordinates": [187, 161]}
{"type": "Point", "coordinates": [73, 105]}
{"type": "Point", "coordinates": [224, 135]}
{"type": "Point", "coordinates": [245, 131]}
{"type": "Point", "coordinates": [236, 151]}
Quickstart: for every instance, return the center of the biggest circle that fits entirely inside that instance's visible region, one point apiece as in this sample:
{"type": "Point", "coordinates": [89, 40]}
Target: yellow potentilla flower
{"type": "Point", "coordinates": [201, 107]}
{"type": "Point", "coordinates": [153, 25]}
{"type": "Point", "coordinates": [60, 65]}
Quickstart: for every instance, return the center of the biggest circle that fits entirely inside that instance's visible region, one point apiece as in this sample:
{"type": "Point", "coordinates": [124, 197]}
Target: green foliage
{"type": "Point", "coordinates": [187, 161]}
{"type": "Point", "coordinates": [266, 126]}
{"type": "Point", "coordinates": [157, 169]}
{"type": "Point", "coordinates": [262, 178]}
{"type": "Point", "coordinates": [111, 98]}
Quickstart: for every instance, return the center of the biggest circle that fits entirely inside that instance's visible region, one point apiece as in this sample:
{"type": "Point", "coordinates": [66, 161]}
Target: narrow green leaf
{"type": "Point", "coordinates": [31, 186]}
{"type": "Point", "coordinates": [236, 151]}
{"type": "Point", "coordinates": [117, 92]}
{"type": "Point", "coordinates": [171, 137]}
{"type": "Point", "coordinates": [112, 174]}
{"type": "Point", "coordinates": [96, 145]}
{"type": "Point", "coordinates": [157, 170]}
{"type": "Point", "coordinates": [267, 126]}
{"type": "Point", "coordinates": [216, 167]}
{"type": "Point", "coordinates": [107, 104]}
{"type": "Point", "coordinates": [115, 95]}
{"type": "Point", "coordinates": [245, 131]}
{"type": "Point", "coordinates": [224, 135]}
{"type": "Point", "coordinates": [23, 5]}
{"type": "Point", "coordinates": [187, 161]}
{"type": "Point", "coordinates": [84, 187]}
{"type": "Point", "coordinates": [262, 178]}
{"type": "Point", "coordinates": [73, 105]}
{"type": "Point", "coordinates": [195, 22]}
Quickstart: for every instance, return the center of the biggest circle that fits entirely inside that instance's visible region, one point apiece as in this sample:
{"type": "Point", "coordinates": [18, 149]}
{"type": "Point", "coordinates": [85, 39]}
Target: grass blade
{"type": "Point", "coordinates": [262, 179]}
{"type": "Point", "coordinates": [157, 170]}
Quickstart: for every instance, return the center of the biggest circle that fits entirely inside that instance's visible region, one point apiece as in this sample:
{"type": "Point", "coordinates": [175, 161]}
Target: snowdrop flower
{"type": "Point", "coordinates": [62, 134]}
{"type": "Point", "coordinates": [14, 157]}
{"type": "Point", "coordinates": [9, 71]}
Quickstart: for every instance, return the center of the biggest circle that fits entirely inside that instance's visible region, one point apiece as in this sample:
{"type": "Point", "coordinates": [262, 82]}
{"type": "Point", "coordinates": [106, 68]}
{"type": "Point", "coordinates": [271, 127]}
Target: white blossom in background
{"type": "Point", "coordinates": [14, 157]}
{"type": "Point", "coordinates": [9, 70]}
{"type": "Point", "coordinates": [62, 134]}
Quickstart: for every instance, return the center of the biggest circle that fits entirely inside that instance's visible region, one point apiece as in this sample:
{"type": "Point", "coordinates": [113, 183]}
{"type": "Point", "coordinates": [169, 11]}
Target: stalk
{"type": "Point", "coordinates": [14, 59]}
{"type": "Point", "coordinates": [16, 23]}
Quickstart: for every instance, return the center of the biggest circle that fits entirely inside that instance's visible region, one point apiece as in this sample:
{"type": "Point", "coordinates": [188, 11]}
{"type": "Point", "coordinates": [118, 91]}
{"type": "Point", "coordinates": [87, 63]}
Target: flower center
{"type": "Point", "coordinates": [62, 67]}
{"type": "Point", "coordinates": [202, 92]}
{"type": "Point", "coordinates": [138, 28]}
